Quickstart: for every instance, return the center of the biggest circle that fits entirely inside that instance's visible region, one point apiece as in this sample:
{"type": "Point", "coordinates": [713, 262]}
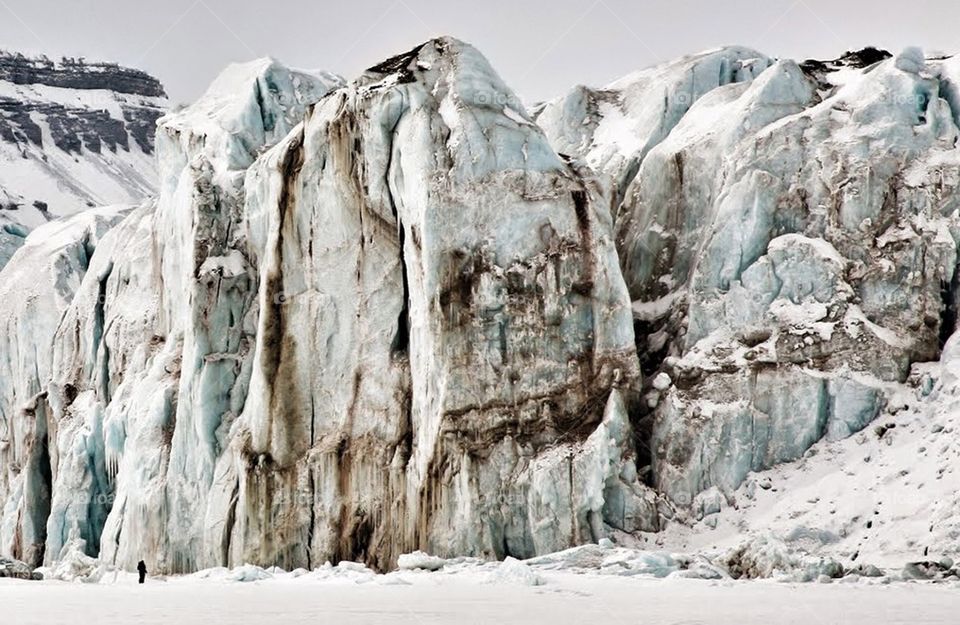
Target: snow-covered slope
{"type": "Point", "coordinates": [72, 136]}
{"type": "Point", "coordinates": [886, 496]}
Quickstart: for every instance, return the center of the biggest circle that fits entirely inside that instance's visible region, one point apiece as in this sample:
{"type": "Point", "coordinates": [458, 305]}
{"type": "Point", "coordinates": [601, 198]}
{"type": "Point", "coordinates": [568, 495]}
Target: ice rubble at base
{"type": "Point", "coordinates": [420, 560]}
{"type": "Point", "coordinates": [73, 564]}
{"type": "Point", "coordinates": [17, 570]}
{"type": "Point", "coordinates": [759, 557]}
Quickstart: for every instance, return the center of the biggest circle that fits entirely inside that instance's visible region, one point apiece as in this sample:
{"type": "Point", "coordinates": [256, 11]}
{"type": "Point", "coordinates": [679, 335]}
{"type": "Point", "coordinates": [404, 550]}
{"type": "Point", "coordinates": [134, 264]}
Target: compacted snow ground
{"type": "Point", "coordinates": [422, 598]}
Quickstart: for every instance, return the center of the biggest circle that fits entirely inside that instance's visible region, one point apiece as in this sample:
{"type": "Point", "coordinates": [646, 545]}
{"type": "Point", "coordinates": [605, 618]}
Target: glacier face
{"type": "Point", "coordinates": [35, 290]}
{"type": "Point", "coordinates": [466, 313]}
{"type": "Point", "coordinates": [157, 367]}
{"type": "Point", "coordinates": [612, 129]}
{"type": "Point", "coordinates": [790, 247]}
{"type": "Point", "coordinates": [404, 314]}
{"type": "Point", "coordinates": [400, 327]}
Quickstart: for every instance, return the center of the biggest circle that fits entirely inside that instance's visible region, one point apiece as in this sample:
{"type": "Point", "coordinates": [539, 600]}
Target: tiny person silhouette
{"type": "Point", "coordinates": [142, 569]}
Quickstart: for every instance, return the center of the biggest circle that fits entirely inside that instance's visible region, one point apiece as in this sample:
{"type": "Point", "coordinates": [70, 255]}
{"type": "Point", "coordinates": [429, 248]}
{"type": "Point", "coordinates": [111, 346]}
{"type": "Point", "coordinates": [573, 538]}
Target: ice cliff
{"type": "Point", "coordinates": [466, 315]}
{"type": "Point", "coordinates": [405, 314]}
{"type": "Point", "coordinates": [790, 246]}
{"type": "Point", "coordinates": [612, 129]}
{"type": "Point", "coordinates": [399, 324]}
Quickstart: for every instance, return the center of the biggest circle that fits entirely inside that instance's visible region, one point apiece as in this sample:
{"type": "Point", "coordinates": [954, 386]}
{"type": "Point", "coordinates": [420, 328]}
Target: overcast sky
{"type": "Point", "coordinates": [540, 47]}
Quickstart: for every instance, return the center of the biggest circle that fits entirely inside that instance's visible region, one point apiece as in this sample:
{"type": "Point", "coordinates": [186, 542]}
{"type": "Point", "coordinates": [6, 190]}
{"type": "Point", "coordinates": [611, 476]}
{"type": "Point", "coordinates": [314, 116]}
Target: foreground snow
{"type": "Point", "coordinates": [474, 596]}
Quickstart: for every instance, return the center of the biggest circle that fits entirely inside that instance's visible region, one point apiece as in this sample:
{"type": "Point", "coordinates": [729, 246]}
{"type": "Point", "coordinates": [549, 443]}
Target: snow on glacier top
{"type": "Point", "coordinates": [227, 95]}
{"type": "Point", "coordinates": [247, 107]}
{"type": "Point", "coordinates": [459, 78]}
{"type": "Point", "coordinates": [613, 128]}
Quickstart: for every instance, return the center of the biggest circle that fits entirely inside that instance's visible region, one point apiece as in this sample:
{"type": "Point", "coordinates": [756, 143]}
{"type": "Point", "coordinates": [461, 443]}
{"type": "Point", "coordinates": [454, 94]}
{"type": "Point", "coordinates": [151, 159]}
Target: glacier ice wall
{"type": "Point", "coordinates": [440, 302]}
{"type": "Point", "coordinates": [402, 326]}
{"type": "Point", "coordinates": [34, 293]}
{"type": "Point", "coordinates": [790, 247]}
{"type": "Point", "coordinates": [613, 128]}
{"type": "Point", "coordinates": [155, 335]}
{"type": "Point", "coordinates": [401, 314]}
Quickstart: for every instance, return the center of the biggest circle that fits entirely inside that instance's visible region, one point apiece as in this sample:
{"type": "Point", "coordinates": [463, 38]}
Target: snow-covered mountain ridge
{"type": "Point", "coordinates": [78, 74]}
{"type": "Point", "coordinates": [73, 135]}
{"type": "Point", "coordinates": [403, 313]}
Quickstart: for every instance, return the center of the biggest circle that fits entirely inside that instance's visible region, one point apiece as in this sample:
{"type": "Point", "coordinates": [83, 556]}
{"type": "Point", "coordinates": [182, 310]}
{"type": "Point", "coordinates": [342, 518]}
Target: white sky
{"type": "Point", "coordinates": [540, 47]}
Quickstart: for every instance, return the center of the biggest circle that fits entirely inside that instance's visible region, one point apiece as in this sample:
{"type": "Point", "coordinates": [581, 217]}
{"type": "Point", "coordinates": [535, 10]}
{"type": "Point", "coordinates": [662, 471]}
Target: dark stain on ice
{"type": "Point", "coordinates": [855, 59]}
{"type": "Point", "coordinates": [584, 287]}
{"type": "Point", "coordinates": [229, 524]}
{"type": "Point", "coordinates": [581, 208]}
{"type": "Point", "coordinates": [463, 272]}
{"type": "Point", "coordinates": [401, 341]}
{"type": "Point", "coordinates": [949, 294]}
{"type": "Point", "coordinates": [276, 369]}
{"type": "Point", "coordinates": [864, 57]}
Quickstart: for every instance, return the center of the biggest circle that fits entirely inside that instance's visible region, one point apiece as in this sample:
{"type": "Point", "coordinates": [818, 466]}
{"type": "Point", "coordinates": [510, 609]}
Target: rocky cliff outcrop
{"type": "Point", "coordinates": [78, 74]}
{"type": "Point", "coordinates": [73, 135]}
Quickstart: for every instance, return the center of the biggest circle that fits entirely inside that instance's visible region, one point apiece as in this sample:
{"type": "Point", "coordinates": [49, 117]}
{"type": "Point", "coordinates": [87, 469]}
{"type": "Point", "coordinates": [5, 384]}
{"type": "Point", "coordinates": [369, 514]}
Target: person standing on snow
{"type": "Point", "coordinates": [142, 569]}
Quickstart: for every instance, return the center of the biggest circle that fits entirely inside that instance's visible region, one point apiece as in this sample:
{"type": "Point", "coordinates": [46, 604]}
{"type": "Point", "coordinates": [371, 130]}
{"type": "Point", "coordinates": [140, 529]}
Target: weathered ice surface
{"type": "Point", "coordinates": [440, 304]}
{"type": "Point", "coordinates": [72, 136]}
{"type": "Point", "coordinates": [790, 248]}
{"type": "Point", "coordinates": [35, 290]}
{"type": "Point", "coordinates": [612, 129]}
{"type": "Point", "coordinates": [400, 315]}
{"type": "Point", "coordinates": [150, 356]}
{"type": "Point", "coordinates": [404, 326]}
